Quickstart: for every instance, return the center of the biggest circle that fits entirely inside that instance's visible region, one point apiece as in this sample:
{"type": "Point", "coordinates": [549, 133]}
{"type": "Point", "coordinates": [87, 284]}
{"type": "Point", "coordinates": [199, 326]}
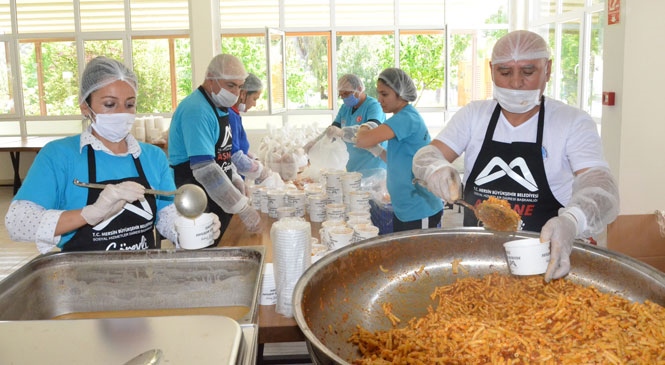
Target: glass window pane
{"type": "Point", "coordinates": [544, 8]}
{"type": "Point", "coordinates": [54, 127]}
{"type": "Point", "coordinates": [5, 18]}
{"type": "Point", "coordinates": [423, 57]}
{"type": "Point", "coordinates": [594, 104]}
{"type": "Point", "coordinates": [6, 87]}
{"type": "Point", "coordinates": [573, 5]}
{"type": "Point", "coordinates": [476, 13]}
{"type": "Point", "coordinates": [252, 50]}
{"type": "Point", "coordinates": [365, 55]}
{"type": "Point", "coordinates": [151, 60]}
{"type": "Point", "coordinates": [50, 78]}
{"type": "Point", "coordinates": [306, 13]}
{"type": "Point", "coordinates": [10, 128]}
{"type": "Point", "coordinates": [421, 12]}
{"type": "Point", "coordinates": [351, 13]}
{"type": "Point", "coordinates": [470, 76]}
{"type": "Point", "coordinates": [108, 47]}
{"type": "Point", "coordinates": [570, 62]}
{"type": "Point", "coordinates": [249, 13]}
{"type": "Point", "coordinates": [164, 14]}
{"type": "Point", "coordinates": [45, 16]}
{"type": "Point", "coordinates": [102, 15]}
{"type": "Point", "coordinates": [307, 71]}
{"type": "Point", "coordinates": [183, 69]}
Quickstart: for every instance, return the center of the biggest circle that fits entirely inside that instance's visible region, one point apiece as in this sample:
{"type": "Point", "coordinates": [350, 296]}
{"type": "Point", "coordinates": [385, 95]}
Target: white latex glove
{"type": "Point", "coordinates": [376, 150]}
{"type": "Point", "coordinates": [238, 182]}
{"type": "Point", "coordinates": [560, 231]}
{"type": "Point", "coordinates": [111, 200]}
{"type": "Point", "coordinates": [216, 226]}
{"type": "Point", "coordinates": [308, 146]}
{"type": "Point", "coordinates": [370, 125]}
{"type": "Point", "coordinates": [439, 175]}
{"type": "Point", "coordinates": [250, 218]}
{"type": "Point", "coordinates": [265, 173]}
{"type": "Point", "coordinates": [334, 132]}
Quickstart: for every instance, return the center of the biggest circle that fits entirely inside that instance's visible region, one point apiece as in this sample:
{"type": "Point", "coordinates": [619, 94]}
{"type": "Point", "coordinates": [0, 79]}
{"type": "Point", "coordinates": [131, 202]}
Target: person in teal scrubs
{"type": "Point", "coordinates": [414, 206]}
{"type": "Point", "coordinates": [358, 108]}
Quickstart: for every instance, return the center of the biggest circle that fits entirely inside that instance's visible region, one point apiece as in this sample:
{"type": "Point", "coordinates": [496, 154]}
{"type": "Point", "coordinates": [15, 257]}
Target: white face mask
{"type": "Point", "coordinates": [517, 101]}
{"type": "Point", "coordinates": [113, 127]}
{"type": "Point", "coordinates": [242, 107]}
{"type": "Point", "coordinates": [224, 98]}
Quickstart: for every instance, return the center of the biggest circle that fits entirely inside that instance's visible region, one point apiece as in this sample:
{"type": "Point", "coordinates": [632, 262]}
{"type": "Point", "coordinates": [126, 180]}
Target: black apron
{"type": "Point", "coordinates": [131, 229]}
{"type": "Point", "coordinates": [183, 172]}
{"type": "Point", "coordinates": [514, 172]}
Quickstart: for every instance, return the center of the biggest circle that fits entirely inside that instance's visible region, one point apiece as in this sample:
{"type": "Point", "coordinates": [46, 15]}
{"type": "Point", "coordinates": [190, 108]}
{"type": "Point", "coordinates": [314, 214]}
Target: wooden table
{"type": "Point", "coordinates": [273, 327]}
{"type": "Point", "coordinates": [16, 145]}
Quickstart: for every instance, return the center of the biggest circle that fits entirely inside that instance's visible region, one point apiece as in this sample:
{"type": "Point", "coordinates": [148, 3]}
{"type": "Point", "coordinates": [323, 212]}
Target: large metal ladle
{"type": "Point", "coordinates": [495, 217]}
{"type": "Point", "coordinates": [190, 200]}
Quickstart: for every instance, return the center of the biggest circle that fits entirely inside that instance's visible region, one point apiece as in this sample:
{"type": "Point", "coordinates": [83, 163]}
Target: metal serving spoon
{"type": "Point", "coordinates": [150, 357]}
{"type": "Point", "coordinates": [190, 200]}
{"type": "Point", "coordinates": [495, 217]}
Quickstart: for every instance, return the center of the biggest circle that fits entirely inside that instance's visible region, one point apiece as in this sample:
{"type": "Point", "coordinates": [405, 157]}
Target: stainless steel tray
{"type": "Point", "coordinates": [56, 284]}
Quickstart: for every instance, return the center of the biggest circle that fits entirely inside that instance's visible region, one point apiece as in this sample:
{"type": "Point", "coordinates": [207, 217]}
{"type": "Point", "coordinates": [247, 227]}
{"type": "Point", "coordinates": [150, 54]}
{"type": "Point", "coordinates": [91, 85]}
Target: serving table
{"type": "Point", "coordinates": [273, 327]}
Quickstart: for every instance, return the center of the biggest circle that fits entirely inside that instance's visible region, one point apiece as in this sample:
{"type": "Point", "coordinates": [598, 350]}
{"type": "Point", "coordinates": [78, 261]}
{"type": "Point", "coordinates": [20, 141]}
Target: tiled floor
{"type": "Point", "coordinates": [14, 254]}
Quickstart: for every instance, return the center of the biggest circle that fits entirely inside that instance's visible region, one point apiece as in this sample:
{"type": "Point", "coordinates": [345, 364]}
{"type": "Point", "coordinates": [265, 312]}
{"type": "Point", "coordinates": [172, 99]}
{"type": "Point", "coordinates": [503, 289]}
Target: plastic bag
{"type": "Point", "coordinates": [326, 154]}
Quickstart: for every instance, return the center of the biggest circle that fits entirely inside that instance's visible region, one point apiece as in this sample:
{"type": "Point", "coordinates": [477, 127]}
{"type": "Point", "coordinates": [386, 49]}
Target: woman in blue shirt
{"type": "Point", "coordinates": [53, 212]}
{"type": "Point", "coordinates": [414, 206]}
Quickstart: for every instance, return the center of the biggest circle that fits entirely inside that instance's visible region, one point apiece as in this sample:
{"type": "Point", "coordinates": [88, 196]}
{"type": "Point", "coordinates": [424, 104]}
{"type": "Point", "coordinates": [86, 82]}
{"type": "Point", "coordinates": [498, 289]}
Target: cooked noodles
{"type": "Point", "coordinates": [502, 319]}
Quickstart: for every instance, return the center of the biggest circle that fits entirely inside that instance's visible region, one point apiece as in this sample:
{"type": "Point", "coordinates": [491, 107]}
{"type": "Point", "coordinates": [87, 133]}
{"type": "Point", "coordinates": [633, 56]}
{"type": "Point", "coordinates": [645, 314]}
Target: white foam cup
{"type": "Point", "coordinates": [340, 237]}
{"type": "Point", "coordinates": [527, 256]}
{"type": "Point", "coordinates": [196, 233]}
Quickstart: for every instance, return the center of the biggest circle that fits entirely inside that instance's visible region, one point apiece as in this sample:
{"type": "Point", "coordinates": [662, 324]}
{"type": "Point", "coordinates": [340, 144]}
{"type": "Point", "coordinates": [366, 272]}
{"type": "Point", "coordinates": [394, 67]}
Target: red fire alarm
{"type": "Point", "coordinates": [608, 98]}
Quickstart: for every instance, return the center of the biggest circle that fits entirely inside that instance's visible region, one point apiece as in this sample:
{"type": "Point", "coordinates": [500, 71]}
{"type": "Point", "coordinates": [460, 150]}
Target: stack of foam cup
{"type": "Point", "coordinates": [356, 217]}
{"type": "Point", "coordinates": [335, 212]}
{"type": "Point", "coordinates": [324, 232]}
{"type": "Point", "coordinates": [292, 255]}
{"type": "Point", "coordinates": [350, 182]}
{"type": "Point", "coordinates": [317, 207]}
{"type": "Point", "coordinates": [340, 236]}
{"type": "Point", "coordinates": [311, 189]}
{"type": "Point", "coordinates": [258, 194]}
{"type": "Point", "coordinates": [298, 200]}
{"type": "Point", "coordinates": [334, 185]}
{"type": "Point", "coordinates": [359, 201]}
{"type": "Point", "coordinates": [364, 231]}
{"type": "Point", "coordinates": [275, 199]}
{"type": "Point", "coordinates": [268, 290]}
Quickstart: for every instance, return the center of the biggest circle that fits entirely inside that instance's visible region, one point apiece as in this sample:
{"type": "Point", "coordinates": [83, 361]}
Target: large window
{"type": "Point", "coordinates": [574, 31]}
{"type": "Point", "coordinates": [54, 40]}
{"type": "Point", "coordinates": [442, 45]}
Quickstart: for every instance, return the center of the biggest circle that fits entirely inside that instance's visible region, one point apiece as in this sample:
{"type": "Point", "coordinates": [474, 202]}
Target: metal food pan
{"type": "Point", "coordinates": [347, 287]}
{"type": "Point", "coordinates": [56, 284]}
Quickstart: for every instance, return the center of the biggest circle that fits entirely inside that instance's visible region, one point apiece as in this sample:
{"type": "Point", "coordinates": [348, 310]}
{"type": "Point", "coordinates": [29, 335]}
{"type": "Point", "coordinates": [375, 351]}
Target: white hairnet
{"type": "Point", "coordinates": [400, 82]}
{"type": "Point", "coordinates": [252, 84]}
{"type": "Point", "coordinates": [226, 67]}
{"type": "Point", "coordinates": [520, 45]}
{"type": "Point", "coordinates": [350, 82]}
{"type": "Point", "coordinates": [101, 71]}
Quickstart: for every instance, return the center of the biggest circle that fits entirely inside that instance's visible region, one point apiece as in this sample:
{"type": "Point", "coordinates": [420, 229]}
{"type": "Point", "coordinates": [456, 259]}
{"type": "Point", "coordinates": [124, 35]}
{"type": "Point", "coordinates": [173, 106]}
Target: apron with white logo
{"type": "Point", "coordinates": [514, 172]}
{"type": "Point", "coordinates": [130, 229]}
{"type": "Point", "coordinates": [183, 172]}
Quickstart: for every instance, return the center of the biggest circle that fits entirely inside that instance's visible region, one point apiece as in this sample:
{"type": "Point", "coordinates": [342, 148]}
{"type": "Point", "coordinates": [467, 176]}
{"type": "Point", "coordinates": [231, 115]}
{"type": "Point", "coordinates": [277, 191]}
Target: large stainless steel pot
{"type": "Point", "coordinates": [347, 287]}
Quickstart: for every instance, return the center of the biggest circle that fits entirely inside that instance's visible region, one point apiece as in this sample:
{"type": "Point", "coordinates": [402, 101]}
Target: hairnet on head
{"type": "Point", "coordinates": [226, 67]}
{"type": "Point", "coordinates": [102, 71]}
{"type": "Point", "coordinates": [252, 84]}
{"type": "Point", "coordinates": [520, 45]}
{"type": "Point", "coordinates": [350, 82]}
{"type": "Point", "coordinates": [400, 82]}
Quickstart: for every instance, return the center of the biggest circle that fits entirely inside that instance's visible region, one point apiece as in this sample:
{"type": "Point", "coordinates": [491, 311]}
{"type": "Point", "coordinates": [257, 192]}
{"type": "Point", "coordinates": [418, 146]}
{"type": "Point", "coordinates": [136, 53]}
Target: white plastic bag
{"type": "Point", "coordinates": [326, 154]}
